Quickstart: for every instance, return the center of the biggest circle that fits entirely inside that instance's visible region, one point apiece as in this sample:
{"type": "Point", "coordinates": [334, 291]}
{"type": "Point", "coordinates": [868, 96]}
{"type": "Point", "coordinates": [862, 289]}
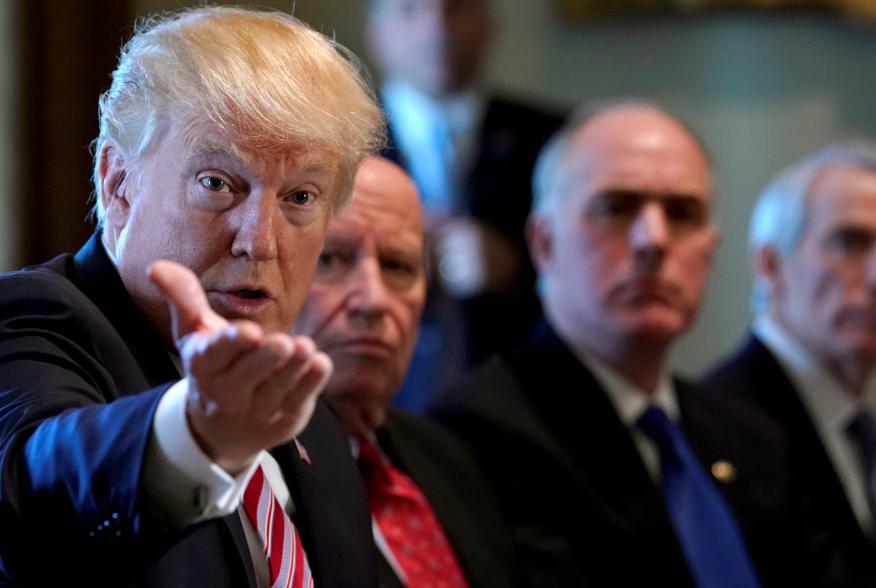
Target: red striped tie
{"type": "Point", "coordinates": [286, 558]}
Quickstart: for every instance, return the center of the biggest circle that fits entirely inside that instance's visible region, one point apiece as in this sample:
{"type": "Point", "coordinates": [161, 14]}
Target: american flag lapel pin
{"type": "Point", "coordinates": [302, 452]}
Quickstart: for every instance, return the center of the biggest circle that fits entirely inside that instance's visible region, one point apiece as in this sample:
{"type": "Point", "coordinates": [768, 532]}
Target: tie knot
{"type": "Point", "coordinates": [373, 465]}
{"type": "Point", "coordinates": [655, 423]}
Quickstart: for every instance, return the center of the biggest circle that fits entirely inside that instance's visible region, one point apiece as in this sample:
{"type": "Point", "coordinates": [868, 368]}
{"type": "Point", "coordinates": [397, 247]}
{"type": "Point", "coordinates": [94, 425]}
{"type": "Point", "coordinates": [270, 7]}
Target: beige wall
{"type": "Point", "coordinates": [761, 89]}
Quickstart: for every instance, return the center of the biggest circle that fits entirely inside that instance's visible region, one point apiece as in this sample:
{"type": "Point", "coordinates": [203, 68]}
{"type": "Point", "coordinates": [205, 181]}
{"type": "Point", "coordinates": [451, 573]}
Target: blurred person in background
{"type": "Point", "coordinates": [807, 365]}
{"type": "Point", "coordinates": [610, 471]}
{"type": "Point", "coordinates": [471, 152]}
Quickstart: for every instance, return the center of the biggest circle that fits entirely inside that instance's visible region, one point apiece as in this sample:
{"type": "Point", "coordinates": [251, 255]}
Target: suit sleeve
{"type": "Point", "coordinates": [72, 436]}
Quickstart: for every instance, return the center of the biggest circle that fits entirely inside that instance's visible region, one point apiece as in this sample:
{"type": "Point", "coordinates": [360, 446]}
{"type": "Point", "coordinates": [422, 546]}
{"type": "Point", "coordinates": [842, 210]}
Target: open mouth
{"type": "Point", "coordinates": [249, 294]}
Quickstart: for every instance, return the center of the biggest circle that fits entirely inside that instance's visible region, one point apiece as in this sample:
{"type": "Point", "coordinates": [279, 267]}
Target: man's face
{"type": "Point", "coordinates": [435, 45]}
{"type": "Point", "coordinates": [825, 292]}
{"type": "Point", "coordinates": [368, 292]}
{"type": "Point", "coordinates": [627, 256]}
{"type": "Point", "coordinates": [249, 224]}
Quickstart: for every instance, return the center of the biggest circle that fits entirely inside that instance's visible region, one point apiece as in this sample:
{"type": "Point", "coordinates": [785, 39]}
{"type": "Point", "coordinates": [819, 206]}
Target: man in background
{"type": "Point", "coordinates": [807, 366]}
{"type": "Point", "coordinates": [143, 380]}
{"type": "Point", "coordinates": [604, 464]}
{"type": "Point", "coordinates": [471, 153]}
{"type": "Point", "coordinates": [435, 523]}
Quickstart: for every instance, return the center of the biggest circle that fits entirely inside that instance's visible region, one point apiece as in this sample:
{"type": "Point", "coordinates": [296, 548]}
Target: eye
{"type": "Point", "coordinates": [685, 211]}
{"type": "Point", "coordinates": [614, 206]}
{"type": "Point", "coordinates": [328, 259]}
{"type": "Point", "coordinates": [332, 264]}
{"type": "Point", "coordinates": [301, 197]}
{"type": "Point", "coordinates": [399, 273]}
{"type": "Point", "coordinates": [214, 184]}
{"type": "Point", "coordinates": [851, 241]}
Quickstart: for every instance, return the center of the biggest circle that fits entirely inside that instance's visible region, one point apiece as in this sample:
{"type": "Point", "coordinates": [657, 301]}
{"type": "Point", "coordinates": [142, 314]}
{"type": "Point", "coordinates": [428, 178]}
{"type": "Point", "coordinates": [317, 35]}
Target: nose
{"type": "Point", "coordinates": [649, 234]}
{"type": "Point", "coordinates": [368, 296]}
{"type": "Point", "coordinates": [255, 221]}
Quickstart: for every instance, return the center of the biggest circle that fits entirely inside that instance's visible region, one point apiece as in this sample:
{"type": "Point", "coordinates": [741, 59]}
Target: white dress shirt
{"type": "Point", "coordinates": [186, 486]}
{"type": "Point", "coordinates": [379, 539]}
{"type": "Point", "coordinates": [439, 138]}
{"type": "Point", "coordinates": [830, 406]}
{"type": "Point", "coordinates": [630, 402]}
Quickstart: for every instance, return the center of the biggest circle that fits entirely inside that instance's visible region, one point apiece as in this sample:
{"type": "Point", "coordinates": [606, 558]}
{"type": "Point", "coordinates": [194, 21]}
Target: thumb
{"type": "Point", "coordinates": [189, 310]}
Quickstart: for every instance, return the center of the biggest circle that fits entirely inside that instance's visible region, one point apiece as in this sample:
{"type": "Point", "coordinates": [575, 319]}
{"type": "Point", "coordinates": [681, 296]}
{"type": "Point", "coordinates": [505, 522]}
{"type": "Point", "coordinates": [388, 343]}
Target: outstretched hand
{"type": "Point", "coordinates": [248, 390]}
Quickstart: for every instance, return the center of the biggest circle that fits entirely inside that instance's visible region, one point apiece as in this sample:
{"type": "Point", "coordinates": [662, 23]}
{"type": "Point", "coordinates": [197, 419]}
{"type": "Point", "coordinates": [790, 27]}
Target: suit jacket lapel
{"type": "Point", "coordinates": [442, 496]}
{"type": "Point", "coordinates": [578, 412]}
{"type": "Point", "coordinates": [781, 399]}
{"type": "Point", "coordinates": [98, 278]}
{"type": "Point", "coordinates": [334, 520]}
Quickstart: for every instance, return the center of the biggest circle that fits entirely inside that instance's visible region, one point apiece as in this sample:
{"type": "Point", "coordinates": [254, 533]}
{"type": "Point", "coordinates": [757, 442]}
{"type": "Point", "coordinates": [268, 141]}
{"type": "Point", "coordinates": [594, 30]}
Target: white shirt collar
{"type": "Point", "coordinates": [829, 405]}
{"type": "Point", "coordinates": [630, 402]}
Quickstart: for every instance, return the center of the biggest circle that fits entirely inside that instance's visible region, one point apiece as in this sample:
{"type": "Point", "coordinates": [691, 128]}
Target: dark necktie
{"type": "Point", "coordinates": [408, 523]}
{"type": "Point", "coordinates": [862, 430]}
{"type": "Point", "coordinates": [283, 550]}
{"type": "Point", "coordinates": [710, 540]}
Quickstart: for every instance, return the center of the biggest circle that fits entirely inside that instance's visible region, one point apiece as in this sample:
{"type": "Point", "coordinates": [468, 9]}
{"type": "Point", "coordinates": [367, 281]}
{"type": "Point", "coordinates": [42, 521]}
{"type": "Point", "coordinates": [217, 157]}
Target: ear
{"type": "Point", "coordinates": [539, 237]}
{"type": "Point", "coordinates": [114, 175]}
{"type": "Point", "coordinates": [766, 264]}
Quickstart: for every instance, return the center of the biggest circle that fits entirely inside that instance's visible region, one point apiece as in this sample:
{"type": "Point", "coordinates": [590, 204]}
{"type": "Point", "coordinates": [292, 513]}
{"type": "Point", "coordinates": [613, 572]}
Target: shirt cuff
{"type": "Point", "coordinates": [179, 479]}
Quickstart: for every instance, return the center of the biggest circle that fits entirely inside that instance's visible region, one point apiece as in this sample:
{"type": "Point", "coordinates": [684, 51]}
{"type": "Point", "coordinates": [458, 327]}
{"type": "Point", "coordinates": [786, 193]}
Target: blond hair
{"type": "Point", "coordinates": [262, 76]}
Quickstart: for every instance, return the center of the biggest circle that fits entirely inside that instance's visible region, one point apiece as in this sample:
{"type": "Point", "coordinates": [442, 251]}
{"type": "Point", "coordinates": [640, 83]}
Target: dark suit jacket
{"type": "Point", "coordinates": [448, 477]}
{"type": "Point", "coordinates": [81, 373]}
{"type": "Point", "coordinates": [834, 548]}
{"type": "Point", "coordinates": [497, 192]}
{"type": "Point", "coordinates": [569, 479]}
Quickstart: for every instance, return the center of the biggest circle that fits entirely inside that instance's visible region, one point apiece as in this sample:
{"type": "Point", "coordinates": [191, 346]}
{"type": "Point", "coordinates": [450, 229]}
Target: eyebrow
{"type": "Point", "coordinates": [209, 148]}
{"type": "Point", "coordinates": [648, 195]}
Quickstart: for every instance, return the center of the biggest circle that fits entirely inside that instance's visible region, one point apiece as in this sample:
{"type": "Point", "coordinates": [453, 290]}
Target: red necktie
{"type": "Point", "coordinates": [286, 558]}
{"type": "Point", "coordinates": [408, 524]}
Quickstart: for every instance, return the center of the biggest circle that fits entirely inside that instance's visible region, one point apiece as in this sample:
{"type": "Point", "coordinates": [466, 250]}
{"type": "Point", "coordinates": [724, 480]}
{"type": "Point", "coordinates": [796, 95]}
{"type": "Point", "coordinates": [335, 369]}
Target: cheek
{"type": "Point", "coordinates": [298, 258]}
{"type": "Point", "coordinates": [319, 311]}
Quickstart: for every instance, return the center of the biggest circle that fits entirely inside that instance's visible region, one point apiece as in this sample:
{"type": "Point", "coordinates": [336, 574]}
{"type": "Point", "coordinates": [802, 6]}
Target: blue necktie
{"type": "Point", "coordinates": [710, 540]}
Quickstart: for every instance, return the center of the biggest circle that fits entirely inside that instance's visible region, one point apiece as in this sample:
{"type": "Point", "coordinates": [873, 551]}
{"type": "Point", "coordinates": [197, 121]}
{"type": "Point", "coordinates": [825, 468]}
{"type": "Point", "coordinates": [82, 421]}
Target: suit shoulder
{"type": "Point", "coordinates": [478, 392]}
{"type": "Point", "coordinates": [41, 282]}
{"type": "Point", "coordinates": [427, 433]}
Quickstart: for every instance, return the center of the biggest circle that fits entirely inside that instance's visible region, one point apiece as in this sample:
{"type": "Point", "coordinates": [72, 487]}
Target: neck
{"type": "Point", "coordinates": [851, 371]}
{"type": "Point", "coordinates": [357, 416]}
{"type": "Point", "coordinates": [852, 375]}
{"type": "Point", "coordinates": [642, 368]}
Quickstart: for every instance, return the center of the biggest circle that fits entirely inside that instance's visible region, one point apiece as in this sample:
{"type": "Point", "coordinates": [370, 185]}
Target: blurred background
{"type": "Point", "coordinates": [762, 85]}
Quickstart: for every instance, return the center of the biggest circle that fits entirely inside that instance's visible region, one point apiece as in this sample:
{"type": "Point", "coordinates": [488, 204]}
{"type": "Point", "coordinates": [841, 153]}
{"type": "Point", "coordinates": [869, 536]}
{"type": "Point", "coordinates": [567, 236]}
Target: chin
{"type": "Point", "coordinates": [357, 385]}
{"type": "Point", "coordinates": [657, 331]}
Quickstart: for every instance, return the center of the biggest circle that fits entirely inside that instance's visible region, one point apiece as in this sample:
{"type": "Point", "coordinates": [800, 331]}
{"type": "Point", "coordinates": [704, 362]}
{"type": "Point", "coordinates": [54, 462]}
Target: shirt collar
{"type": "Point", "coordinates": [413, 113]}
{"type": "Point", "coordinates": [829, 403]}
{"type": "Point", "coordinates": [628, 400]}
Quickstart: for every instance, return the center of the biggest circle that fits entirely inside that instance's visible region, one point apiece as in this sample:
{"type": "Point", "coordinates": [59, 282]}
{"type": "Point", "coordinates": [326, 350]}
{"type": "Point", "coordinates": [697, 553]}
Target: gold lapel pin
{"type": "Point", "coordinates": [724, 471]}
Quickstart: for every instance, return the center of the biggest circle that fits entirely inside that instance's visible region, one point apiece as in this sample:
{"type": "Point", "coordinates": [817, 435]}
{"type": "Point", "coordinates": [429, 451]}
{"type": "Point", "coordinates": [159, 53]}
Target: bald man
{"type": "Point", "coordinates": [601, 460]}
{"type": "Point", "coordinates": [434, 522]}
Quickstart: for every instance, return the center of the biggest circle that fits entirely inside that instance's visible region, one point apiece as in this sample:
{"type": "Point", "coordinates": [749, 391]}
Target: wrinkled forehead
{"type": "Point", "coordinates": [195, 138]}
{"type": "Point", "coordinates": [385, 221]}
{"type": "Point", "coordinates": [842, 190]}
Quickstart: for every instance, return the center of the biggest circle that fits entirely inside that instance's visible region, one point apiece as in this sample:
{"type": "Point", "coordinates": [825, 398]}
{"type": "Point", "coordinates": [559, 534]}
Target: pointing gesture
{"type": "Point", "coordinates": [248, 390]}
